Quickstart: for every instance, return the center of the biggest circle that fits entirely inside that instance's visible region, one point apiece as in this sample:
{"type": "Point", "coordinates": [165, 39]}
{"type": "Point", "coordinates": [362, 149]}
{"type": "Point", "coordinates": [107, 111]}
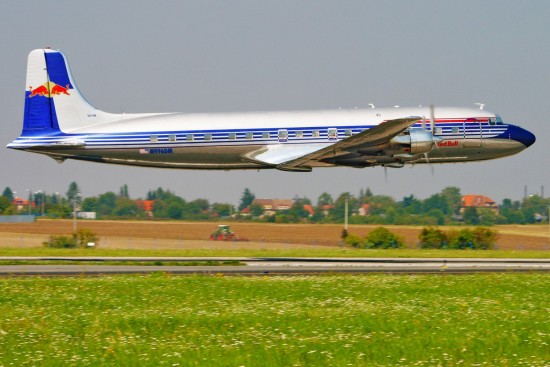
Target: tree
{"type": "Point", "coordinates": [471, 215]}
{"type": "Point", "coordinates": [246, 199]}
{"type": "Point", "coordinates": [196, 209]}
{"type": "Point", "coordinates": [436, 201]}
{"type": "Point", "coordinates": [73, 194]}
{"type": "Point", "coordinates": [124, 191]}
{"type": "Point", "coordinates": [325, 199]}
{"type": "Point", "coordinates": [8, 194]}
{"type": "Point", "coordinates": [89, 204]}
{"type": "Point", "coordinates": [222, 209]}
{"type": "Point", "coordinates": [256, 210]}
{"type": "Point", "coordinates": [4, 204]}
{"type": "Point", "coordinates": [453, 197]}
{"type": "Point", "coordinates": [106, 203]}
{"type": "Point", "coordinates": [174, 210]}
{"type": "Point", "coordinates": [487, 216]}
{"type": "Point", "coordinates": [339, 211]}
{"type": "Point", "coordinates": [125, 207]}
{"type": "Point", "coordinates": [298, 210]}
{"type": "Point", "coordinates": [411, 205]}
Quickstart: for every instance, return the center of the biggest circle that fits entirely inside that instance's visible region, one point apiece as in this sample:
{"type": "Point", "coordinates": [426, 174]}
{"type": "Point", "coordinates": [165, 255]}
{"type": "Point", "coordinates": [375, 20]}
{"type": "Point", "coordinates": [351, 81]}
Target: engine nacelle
{"type": "Point", "coordinates": [414, 141]}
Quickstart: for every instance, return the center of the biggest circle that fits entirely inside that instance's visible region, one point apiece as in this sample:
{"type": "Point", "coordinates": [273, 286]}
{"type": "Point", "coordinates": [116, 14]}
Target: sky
{"type": "Point", "coordinates": [243, 55]}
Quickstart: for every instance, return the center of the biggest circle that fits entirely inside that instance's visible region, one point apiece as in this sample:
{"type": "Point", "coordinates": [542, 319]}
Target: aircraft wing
{"type": "Point", "coordinates": [380, 134]}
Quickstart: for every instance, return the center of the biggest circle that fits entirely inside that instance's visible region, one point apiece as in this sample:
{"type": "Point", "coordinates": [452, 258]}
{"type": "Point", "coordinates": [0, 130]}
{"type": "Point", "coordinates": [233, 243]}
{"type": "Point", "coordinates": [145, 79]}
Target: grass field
{"type": "Point", "coordinates": [371, 320]}
{"type": "Point", "coordinates": [266, 250]}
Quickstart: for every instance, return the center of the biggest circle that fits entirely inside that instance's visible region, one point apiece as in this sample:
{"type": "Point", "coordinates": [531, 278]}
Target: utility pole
{"type": "Point", "coordinates": [75, 199]}
{"type": "Point", "coordinates": [30, 200]}
{"type": "Point", "coordinates": [346, 213]}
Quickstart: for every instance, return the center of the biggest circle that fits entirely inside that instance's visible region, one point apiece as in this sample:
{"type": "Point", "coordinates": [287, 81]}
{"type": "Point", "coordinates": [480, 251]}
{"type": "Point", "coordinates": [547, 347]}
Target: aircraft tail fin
{"type": "Point", "coordinates": [53, 103]}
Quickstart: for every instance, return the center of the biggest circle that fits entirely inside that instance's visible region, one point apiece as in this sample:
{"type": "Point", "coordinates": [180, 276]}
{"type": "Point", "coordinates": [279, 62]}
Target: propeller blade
{"type": "Point", "coordinates": [429, 163]}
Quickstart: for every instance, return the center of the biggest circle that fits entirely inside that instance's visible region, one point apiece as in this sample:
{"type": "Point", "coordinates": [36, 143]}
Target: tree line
{"type": "Point", "coordinates": [443, 208]}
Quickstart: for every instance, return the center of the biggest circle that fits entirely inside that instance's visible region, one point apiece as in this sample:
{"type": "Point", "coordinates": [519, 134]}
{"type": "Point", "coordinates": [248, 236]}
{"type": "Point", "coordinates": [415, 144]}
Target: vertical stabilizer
{"type": "Point", "coordinates": [53, 103]}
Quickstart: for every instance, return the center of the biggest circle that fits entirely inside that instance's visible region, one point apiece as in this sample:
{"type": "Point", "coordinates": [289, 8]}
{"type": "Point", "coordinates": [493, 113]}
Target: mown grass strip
{"type": "Point", "coordinates": [114, 262]}
{"type": "Point", "coordinates": [371, 320]}
{"type": "Point", "coordinates": [266, 252]}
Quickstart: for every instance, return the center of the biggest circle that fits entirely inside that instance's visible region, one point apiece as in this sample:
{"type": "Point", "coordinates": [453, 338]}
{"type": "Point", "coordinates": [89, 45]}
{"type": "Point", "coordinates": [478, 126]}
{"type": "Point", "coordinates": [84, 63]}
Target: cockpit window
{"type": "Point", "coordinates": [492, 120]}
{"type": "Point", "coordinates": [499, 120]}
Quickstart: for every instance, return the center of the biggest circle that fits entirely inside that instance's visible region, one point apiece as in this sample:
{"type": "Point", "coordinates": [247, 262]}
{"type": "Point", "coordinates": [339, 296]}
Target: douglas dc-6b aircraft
{"type": "Point", "coordinates": [60, 123]}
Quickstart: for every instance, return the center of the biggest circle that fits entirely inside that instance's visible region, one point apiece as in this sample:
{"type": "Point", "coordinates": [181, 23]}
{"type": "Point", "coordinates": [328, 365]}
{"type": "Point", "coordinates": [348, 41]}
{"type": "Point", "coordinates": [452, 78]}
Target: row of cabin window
{"type": "Point", "coordinates": [282, 135]}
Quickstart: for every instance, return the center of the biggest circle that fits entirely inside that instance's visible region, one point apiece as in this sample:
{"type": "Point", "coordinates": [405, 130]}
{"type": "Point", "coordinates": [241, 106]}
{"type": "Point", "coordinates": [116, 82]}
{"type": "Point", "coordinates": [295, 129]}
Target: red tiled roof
{"type": "Point", "coordinates": [478, 201]}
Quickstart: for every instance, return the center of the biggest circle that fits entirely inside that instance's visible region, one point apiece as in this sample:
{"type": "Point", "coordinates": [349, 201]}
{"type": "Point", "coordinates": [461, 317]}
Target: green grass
{"type": "Point", "coordinates": [128, 263]}
{"type": "Point", "coordinates": [371, 320]}
{"type": "Point", "coordinates": [290, 252]}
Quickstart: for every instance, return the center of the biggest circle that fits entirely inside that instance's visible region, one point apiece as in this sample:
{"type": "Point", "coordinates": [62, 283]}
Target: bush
{"type": "Point", "coordinates": [80, 238]}
{"type": "Point", "coordinates": [382, 238]}
{"type": "Point", "coordinates": [84, 236]}
{"type": "Point", "coordinates": [485, 238]}
{"type": "Point", "coordinates": [60, 242]}
{"type": "Point", "coordinates": [431, 237]}
{"type": "Point", "coordinates": [353, 240]}
{"type": "Point", "coordinates": [460, 240]}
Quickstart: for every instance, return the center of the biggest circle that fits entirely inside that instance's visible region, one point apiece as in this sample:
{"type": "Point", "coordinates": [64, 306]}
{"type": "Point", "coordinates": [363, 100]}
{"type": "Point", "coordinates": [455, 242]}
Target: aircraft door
{"type": "Point", "coordinates": [473, 133]}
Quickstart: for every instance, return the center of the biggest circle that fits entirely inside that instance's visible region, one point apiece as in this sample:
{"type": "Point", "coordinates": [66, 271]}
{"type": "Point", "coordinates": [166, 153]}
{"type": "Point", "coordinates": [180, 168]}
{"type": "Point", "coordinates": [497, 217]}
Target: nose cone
{"type": "Point", "coordinates": [523, 136]}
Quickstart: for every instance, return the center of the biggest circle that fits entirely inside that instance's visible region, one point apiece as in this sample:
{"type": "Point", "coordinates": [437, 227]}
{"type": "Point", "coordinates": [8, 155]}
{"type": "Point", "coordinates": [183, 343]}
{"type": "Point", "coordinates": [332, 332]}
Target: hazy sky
{"type": "Point", "coordinates": [213, 56]}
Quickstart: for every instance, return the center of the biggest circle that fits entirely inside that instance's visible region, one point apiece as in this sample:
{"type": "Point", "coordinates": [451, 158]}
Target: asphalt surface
{"type": "Point", "coordinates": [271, 266]}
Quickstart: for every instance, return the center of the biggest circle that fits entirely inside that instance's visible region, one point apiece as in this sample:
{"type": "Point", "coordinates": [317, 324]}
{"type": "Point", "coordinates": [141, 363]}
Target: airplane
{"type": "Point", "coordinates": [60, 123]}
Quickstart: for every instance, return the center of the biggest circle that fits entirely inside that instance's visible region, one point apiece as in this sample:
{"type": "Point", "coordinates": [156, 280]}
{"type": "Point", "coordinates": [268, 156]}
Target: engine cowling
{"type": "Point", "coordinates": [414, 141]}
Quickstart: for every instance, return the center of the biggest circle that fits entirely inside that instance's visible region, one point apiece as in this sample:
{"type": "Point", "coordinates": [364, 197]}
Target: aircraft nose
{"type": "Point", "coordinates": [523, 136]}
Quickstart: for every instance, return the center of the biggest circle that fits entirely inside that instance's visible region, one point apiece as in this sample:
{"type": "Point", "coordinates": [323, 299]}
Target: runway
{"type": "Point", "coordinates": [269, 266]}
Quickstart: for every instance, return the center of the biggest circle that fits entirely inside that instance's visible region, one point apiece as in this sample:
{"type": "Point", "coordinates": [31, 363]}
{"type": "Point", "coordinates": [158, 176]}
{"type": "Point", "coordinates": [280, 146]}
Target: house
{"type": "Point", "coordinates": [272, 206]}
{"type": "Point", "coordinates": [326, 209]}
{"type": "Point", "coordinates": [21, 204]}
{"type": "Point", "coordinates": [478, 201]}
{"type": "Point", "coordinates": [146, 206]}
{"type": "Point", "coordinates": [364, 210]}
{"type": "Point", "coordinates": [308, 208]}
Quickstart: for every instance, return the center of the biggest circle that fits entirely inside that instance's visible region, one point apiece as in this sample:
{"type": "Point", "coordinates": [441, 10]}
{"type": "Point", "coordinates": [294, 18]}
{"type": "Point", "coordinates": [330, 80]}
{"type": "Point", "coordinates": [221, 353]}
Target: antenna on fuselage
{"type": "Point", "coordinates": [481, 105]}
{"type": "Point", "coordinates": [371, 105]}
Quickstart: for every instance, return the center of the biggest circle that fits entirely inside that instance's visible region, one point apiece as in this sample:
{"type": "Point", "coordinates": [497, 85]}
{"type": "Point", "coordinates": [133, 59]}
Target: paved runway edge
{"type": "Point", "coordinates": [278, 266]}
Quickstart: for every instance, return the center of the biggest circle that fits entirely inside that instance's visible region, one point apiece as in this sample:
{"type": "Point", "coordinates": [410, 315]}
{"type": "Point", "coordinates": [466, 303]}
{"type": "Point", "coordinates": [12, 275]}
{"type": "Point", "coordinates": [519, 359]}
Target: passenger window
{"type": "Point", "coordinates": [455, 130]}
{"type": "Point", "coordinates": [282, 135]}
{"type": "Point", "coordinates": [347, 132]}
{"type": "Point", "coordinates": [332, 133]}
{"type": "Point", "coordinates": [232, 136]}
{"type": "Point", "coordinates": [249, 136]}
{"type": "Point", "coordinates": [299, 134]}
{"type": "Point", "coordinates": [154, 139]}
{"type": "Point", "coordinates": [438, 130]}
{"type": "Point", "coordinates": [171, 137]}
{"type": "Point", "coordinates": [207, 136]}
{"type": "Point", "coordinates": [189, 137]}
{"type": "Point", "coordinates": [315, 134]}
{"type": "Point", "coordinates": [265, 135]}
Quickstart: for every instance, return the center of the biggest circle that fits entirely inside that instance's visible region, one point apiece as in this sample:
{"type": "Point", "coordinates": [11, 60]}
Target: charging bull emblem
{"type": "Point", "coordinates": [49, 89]}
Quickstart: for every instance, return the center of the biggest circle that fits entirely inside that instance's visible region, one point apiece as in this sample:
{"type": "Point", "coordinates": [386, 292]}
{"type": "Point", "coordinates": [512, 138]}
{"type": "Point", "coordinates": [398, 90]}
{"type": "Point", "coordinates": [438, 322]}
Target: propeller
{"type": "Point", "coordinates": [432, 130]}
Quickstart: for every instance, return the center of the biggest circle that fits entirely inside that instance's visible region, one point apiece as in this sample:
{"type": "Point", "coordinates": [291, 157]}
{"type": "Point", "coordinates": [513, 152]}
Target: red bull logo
{"type": "Point", "coordinates": [49, 89]}
{"type": "Point", "coordinates": [448, 143]}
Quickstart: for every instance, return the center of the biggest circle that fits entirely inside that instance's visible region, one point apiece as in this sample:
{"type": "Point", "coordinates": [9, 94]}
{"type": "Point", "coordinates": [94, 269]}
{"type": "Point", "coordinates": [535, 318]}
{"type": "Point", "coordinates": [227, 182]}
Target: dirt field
{"type": "Point", "coordinates": [136, 234]}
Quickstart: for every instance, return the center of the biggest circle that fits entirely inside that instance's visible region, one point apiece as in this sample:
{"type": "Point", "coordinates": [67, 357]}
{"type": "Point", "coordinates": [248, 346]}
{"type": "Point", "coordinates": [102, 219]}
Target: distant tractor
{"type": "Point", "coordinates": [224, 233]}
